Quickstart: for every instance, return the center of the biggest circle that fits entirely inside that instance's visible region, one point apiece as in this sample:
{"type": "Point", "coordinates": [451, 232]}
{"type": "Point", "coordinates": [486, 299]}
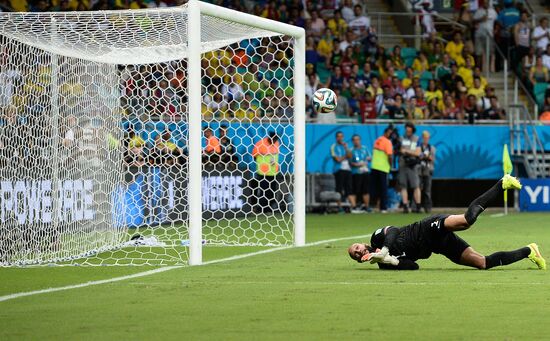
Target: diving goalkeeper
{"type": "Point", "coordinates": [398, 248]}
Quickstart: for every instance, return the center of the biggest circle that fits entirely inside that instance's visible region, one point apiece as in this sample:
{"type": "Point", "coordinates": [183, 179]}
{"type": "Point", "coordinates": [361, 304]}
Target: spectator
{"type": "Point", "coordinates": [266, 155]}
{"type": "Point", "coordinates": [69, 138]}
{"type": "Point", "coordinates": [541, 35]}
{"type": "Point", "coordinates": [435, 56]}
{"type": "Point", "coordinates": [546, 106]}
{"type": "Point", "coordinates": [312, 85]}
{"type": "Point", "coordinates": [444, 68]}
{"type": "Point", "coordinates": [466, 72]}
{"type": "Point", "coordinates": [485, 101]}
{"type": "Point", "coordinates": [326, 46]}
{"type": "Point", "coordinates": [375, 88]}
{"type": "Point", "coordinates": [545, 117]}
{"type": "Point", "coordinates": [341, 154]}
{"type": "Point", "coordinates": [433, 111]}
{"type": "Point", "coordinates": [454, 47]}
{"type": "Point", "coordinates": [421, 63]}
{"type": "Point", "coordinates": [408, 80]}
{"type": "Point", "coordinates": [381, 166]}
{"type": "Point", "coordinates": [368, 109]}
{"type": "Point", "coordinates": [347, 62]}
{"type": "Point", "coordinates": [312, 56]}
{"type": "Point", "coordinates": [451, 80]}
{"type": "Point", "coordinates": [157, 4]}
{"type": "Point", "coordinates": [522, 38]}
{"type": "Point", "coordinates": [384, 101]}
{"type": "Point", "coordinates": [471, 109]}
{"type": "Point", "coordinates": [216, 104]}
{"type": "Point", "coordinates": [343, 108]}
{"type": "Point", "coordinates": [359, 159]}
{"type": "Point", "coordinates": [484, 19]}
{"type": "Point", "coordinates": [427, 158]}
{"type": "Point", "coordinates": [347, 10]}
{"type": "Point", "coordinates": [477, 90]}
{"type": "Point", "coordinates": [233, 90]}
{"type": "Point", "coordinates": [506, 19]}
{"type": "Point", "coordinates": [396, 59]}
{"type": "Point", "coordinates": [348, 41]}
{"type": "Point", "coordinates": [138, 4]}
{"type": "Point", "coordinates": [494, 112]}
{"type": "Point", "coordinates": [539, 72]}
{"type": "Point", "coordinates": [212, 149]}
{"type": "Point", "coordinates": [450, 110]}
{"type": "Point", "coordinates": [336, 55]}
{"type": "Point", "coordinates": [409, 164]}
{"type": "Point", "coordinates": [397, 111]}
{"type": "Point", "coordinates": [165, 151]}
{"type": "Point", "coordinates": [227, 150]}
{"type": "Point", "coordinates": [361, 23]}
{"type": "Point", "coordinates": [531, 59]}
{"type": "Point", "coordinates": [414, 112]}
{"type": "Point", "coordinates": [317, 24]}
{"type": "Point", "coordinates": [509, 16]}
{"type": "Point", "coordinates": [427, 19]}
{"type": "Point", "coordinates": [336, 80]}
{"type": "Point", "coordinates": [270, 11]}
{"type": "Point", "coordinates": [483, 80]}
{"type": "Point", "coordinates": [396, 86]}
{"type": "Point", "coordinates": [337, 24]}
{"type": "Point", "coordinates": [134, 153]}
{"type": "Point", "coordinates": [433, 92]}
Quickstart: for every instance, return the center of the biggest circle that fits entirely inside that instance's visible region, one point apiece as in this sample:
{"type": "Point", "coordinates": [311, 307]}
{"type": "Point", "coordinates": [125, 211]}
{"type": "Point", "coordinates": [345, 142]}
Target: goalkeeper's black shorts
{"type": "Point", "coordinates": [444, 242]}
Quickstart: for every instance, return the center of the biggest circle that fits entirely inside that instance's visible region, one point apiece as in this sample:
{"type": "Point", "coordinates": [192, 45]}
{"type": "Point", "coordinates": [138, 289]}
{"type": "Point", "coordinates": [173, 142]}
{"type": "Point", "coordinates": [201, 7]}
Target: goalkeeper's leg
{"type": "Point", "coordinates": [472, 258]}
{"type": "Point", "coordinates": [463, 221]}
{"type": "Point", "coordinates": [480, 204]}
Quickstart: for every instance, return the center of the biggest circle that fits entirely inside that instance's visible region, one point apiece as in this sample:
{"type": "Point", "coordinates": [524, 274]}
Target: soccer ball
{"type": "Point", "coordinates": [324, 101]}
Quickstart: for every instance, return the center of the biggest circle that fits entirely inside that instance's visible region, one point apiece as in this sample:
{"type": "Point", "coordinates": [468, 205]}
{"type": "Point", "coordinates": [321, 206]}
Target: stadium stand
{"type": "Point", "coordinates": [345, 53]}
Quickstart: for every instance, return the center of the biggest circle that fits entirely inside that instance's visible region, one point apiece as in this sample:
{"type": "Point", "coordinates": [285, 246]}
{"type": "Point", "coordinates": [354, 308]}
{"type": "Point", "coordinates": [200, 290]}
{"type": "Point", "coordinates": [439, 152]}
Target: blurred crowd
{"type": "Point", "coordinates": [443, 80]}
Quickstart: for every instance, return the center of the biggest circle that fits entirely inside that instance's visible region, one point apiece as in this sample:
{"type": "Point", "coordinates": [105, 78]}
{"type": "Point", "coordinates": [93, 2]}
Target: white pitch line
{"type": "Point", "coordinates": [164, 269]}
{"type": "Point", "coordinates": [87, 284]}
{"type": "Point", "coordinates": [340, 283]}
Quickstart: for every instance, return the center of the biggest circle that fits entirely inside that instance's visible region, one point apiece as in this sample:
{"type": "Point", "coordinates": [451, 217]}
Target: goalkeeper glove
{"type": "Point", "coordinates": [383, 257]}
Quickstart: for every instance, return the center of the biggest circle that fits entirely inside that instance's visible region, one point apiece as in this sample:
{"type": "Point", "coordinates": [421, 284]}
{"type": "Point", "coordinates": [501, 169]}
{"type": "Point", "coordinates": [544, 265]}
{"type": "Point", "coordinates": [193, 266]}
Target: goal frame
{"type": "Point", "coordinates": [195, 9]}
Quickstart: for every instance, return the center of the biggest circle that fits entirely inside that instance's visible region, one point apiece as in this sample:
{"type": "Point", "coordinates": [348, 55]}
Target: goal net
{"type": "Point", "coordinates": [106, 153]}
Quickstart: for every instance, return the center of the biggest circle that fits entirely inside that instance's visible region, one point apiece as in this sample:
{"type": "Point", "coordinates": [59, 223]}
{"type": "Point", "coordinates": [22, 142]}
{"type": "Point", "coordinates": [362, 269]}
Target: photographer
{"type": "Point", "coordinates": [409, 163]}
{"type": "Point", "coordinates": [427, 158]}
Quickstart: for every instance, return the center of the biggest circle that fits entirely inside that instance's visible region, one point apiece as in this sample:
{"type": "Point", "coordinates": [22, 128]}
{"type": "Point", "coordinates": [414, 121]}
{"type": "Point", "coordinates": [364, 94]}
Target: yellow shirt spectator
{"type": "Point", "coordinates": [218, 61]}
{"type": "Point", "coordinates": [429, 95]}
{"type": "Point", "coordinates": [325, 47]}
{"type": "Point", "coordinates": [136, 142]}
{"type": "Point", "coordinates": [454, 49]}
{"type": "Point", "coordinates": [461, 60]}
{"type": "Point", "coordinates": [478, 92]}
{"type": "Point", "coordinates": [420, 65]}
{"type": "Point", "coordinates": [19, 5]}
{"type": "Point", "coordinates": [338, 26]}
{"type": "Point", "coordinates": [467, 75]}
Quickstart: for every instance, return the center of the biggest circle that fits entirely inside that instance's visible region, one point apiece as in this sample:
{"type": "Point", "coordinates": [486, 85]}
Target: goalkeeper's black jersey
{"type": "Point", "coordinates": [414, 241]}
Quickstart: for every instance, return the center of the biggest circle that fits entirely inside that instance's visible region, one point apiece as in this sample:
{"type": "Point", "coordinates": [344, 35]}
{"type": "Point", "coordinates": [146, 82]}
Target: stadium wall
{"type": "Point", "coordinates": [463, 151]}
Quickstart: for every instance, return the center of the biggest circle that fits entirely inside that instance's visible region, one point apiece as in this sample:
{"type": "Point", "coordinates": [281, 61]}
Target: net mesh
{"type": "Point", "coordinates": [93, 137]}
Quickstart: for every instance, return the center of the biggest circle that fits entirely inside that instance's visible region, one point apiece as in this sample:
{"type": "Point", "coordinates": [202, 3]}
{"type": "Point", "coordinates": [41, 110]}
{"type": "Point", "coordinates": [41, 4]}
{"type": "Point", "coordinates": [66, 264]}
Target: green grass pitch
{"type": "Point", "coordinates": [314, 292]}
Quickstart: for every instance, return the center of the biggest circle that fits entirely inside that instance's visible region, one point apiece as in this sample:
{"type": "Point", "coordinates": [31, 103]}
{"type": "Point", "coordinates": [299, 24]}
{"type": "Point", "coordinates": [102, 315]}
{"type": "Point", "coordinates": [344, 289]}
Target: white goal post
{"type": "Point", "coordinates": [195, 9]}
{"type": "Point", "coordinates": [136, 137]}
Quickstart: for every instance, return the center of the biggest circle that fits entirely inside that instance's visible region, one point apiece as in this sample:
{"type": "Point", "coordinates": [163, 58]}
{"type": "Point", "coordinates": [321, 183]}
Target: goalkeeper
{"type": "Point", "coordinates": [399, 248]}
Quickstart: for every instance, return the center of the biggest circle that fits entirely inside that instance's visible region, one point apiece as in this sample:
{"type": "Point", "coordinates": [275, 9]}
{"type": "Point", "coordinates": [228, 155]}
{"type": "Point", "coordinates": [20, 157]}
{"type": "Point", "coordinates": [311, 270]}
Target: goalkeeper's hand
{"type": "Point", "coordinates": [383, 257]}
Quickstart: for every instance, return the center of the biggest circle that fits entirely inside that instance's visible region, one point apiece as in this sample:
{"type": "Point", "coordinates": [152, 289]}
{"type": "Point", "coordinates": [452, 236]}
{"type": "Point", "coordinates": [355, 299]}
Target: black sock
{"type": "Point", "coordinates": [506, 257]}
{"type": "Point", "coordinates": [480, 203]}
